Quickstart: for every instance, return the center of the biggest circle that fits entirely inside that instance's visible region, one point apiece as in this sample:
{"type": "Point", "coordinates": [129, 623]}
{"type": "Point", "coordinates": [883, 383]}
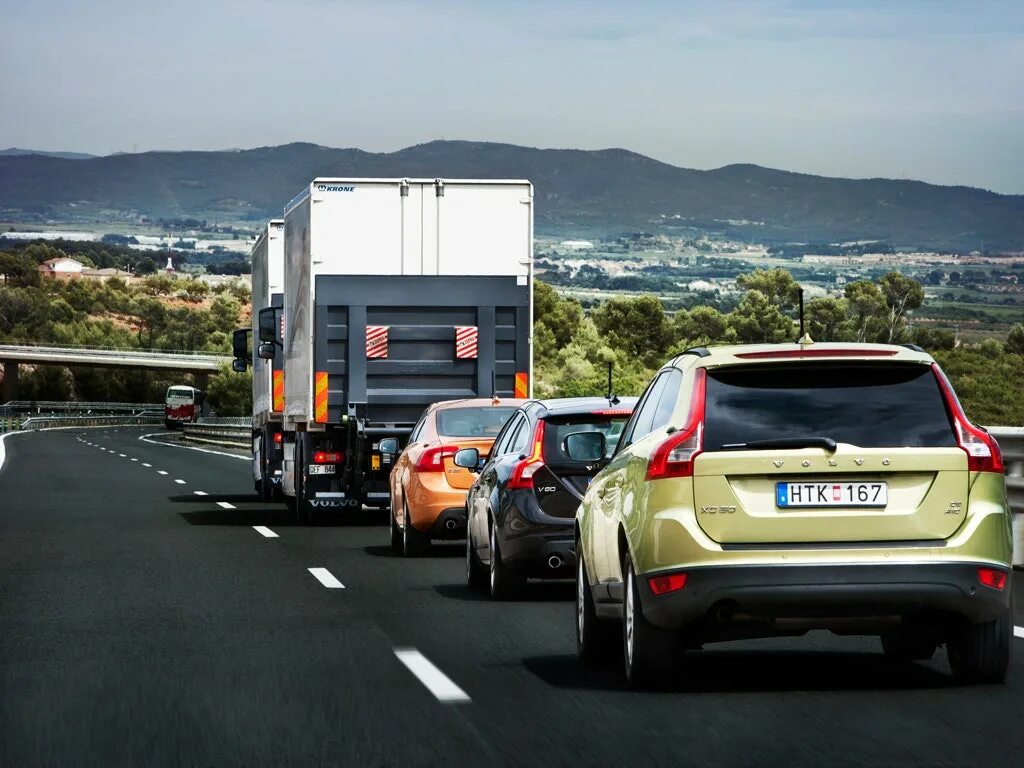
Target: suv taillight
{"type": "Point", "coordinates": [432, 459]}
{"type": "Point", "coordinates": [523, 472]}
{"type": "Point", "coordinates": [674, 457]}
{"type": "Point", "coordinates": [983, 454]}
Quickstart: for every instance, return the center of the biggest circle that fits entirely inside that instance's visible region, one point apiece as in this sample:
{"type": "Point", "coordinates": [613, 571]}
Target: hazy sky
{"type": "Point", "coordinates": [928, 89]}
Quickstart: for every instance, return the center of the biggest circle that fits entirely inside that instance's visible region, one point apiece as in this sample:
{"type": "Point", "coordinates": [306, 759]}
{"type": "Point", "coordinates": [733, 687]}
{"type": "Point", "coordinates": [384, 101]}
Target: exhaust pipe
{"type": "Point", "coordinates": [554, 562]}
{"type": "Point", "coordinates": [449, 524]}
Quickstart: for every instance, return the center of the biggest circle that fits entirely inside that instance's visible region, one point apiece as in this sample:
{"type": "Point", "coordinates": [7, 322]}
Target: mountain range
{"type": "Point", "coordinates": [578, 192]}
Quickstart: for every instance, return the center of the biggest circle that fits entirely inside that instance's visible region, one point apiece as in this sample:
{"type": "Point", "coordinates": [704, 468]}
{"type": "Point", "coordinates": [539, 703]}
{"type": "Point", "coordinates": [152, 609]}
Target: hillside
{"type": "Point", "coordinates": [18, 152]}
{"type": "Point", "coordinates": [578, 192]}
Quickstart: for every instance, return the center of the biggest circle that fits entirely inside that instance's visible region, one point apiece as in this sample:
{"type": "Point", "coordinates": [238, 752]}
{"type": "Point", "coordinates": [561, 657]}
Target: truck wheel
{"type": "Point", "coordinates": [980, 653]}
{"type": "Point", "coordinates": [903, 647]}
{"type": "Point", "coordinates": [648, 651]}
{"type": "Point", "coordinates": [595, 639]}
{"type": "Point", "coordinates": [505, 583]}
{"type": "Point", "coordinates": [413, 541]}
{"type": "Point", "coordinates": [475, 576]}
{"type": "Point", "coordinates": [396, 534]}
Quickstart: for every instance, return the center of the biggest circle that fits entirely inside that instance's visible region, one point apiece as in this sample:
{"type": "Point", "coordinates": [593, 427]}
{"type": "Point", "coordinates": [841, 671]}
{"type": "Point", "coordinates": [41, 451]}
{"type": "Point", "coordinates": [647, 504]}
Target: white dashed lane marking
{"type": "Point", "coordinates": [146, 465]}
{"type": "Point", "coordinates": [264, 531]}
{"type": "Point", "coordinates": [160, 472]}
{"type": "Point", "coordinates": [1019, 632]}
{"type": "Point", "coordinates": [200, 493]}
{"type": "Point", "coordinates": [436, 681]}
{"type": "Point", "coordinates": [134, 459]}
{"type": "Point", "coordinates": [122, 456]}
{"type": "Point", "coordinates": [225, 505]}
{"type": "Point", "coordinates": [326, 578]}
{"type": "Point", "coordinates": [180, 482]}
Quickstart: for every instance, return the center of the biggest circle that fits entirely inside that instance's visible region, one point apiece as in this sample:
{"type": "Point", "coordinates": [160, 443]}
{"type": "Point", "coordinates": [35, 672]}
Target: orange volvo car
{"type": "Point", "coordinates": [428, 492]}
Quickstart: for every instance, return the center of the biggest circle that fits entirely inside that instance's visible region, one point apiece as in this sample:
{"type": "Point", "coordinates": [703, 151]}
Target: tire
{"type": "Point", "coordinates": [905, 648]}
{"type": "Point", "coordinates": [595, 639]}
{"type": "Point", "coordinates": [168, 424]}
{"type": "Point", "coordinates": [414, 543]}
{"type": "Point", "coordinates": [396, 533]}
{"type": "Point", "coordinates": [304, 513]}
{"type": "Point", "coordinates": [648, 652]}
{"type": "Point", "coordinates": [505, 583]}
{"type": "Point", "coordinates": [980, 653]}
{"type": "Point", "coordinates": [476, 577]}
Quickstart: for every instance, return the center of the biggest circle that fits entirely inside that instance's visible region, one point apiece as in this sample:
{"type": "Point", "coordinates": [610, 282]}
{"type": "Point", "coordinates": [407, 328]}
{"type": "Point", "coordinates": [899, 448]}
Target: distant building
{"type": "Point", "coordinates": [577, 245]}
{"type": "Point", "coordinates": [61, 268]}
{"type": "Point", "coordinates": [102, 275]}
{"type": "Point", "coordinates": [170, 265]}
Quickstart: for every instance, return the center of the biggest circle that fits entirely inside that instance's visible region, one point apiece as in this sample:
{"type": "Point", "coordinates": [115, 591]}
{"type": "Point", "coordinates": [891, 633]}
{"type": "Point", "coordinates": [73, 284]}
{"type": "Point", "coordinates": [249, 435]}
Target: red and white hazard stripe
{"type": "Point", "coordinates": [466, 341]}
{"type": "Point", "coordinates": [377, 340]}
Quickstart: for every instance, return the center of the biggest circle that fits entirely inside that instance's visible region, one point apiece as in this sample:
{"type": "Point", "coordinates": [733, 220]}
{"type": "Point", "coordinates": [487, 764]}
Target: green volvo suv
{"type": "Point", "coordinates": [773, 489]}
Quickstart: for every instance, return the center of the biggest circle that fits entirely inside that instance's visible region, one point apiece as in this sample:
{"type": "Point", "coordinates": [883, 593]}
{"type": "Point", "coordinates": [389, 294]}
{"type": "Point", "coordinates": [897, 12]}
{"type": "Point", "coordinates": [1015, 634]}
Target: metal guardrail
{"type": "Point", "coordinates": [58, 406]}
{"type": "Point", "coordinates": [236, 433]}
{"type": "Point", "coordinates": [52, 422]}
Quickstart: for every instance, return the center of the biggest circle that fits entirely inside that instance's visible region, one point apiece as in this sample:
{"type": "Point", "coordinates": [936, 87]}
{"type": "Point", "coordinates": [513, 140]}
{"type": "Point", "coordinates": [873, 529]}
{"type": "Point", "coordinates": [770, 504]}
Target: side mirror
{"type": "Point", "coordinates": [388, 445]}
{"type": "Point", "coordinates": [240, 343]}
{"type": "Point", "coordinates": [585, 446]}
{"type": "Point", "coordinates": [268, 325]}
{"type": "Point", "coordinates": [265, 351]}
{"type": "Point", "coordinates": [467, 458]}
{"type": "Point", "coordinates": [238, 365]}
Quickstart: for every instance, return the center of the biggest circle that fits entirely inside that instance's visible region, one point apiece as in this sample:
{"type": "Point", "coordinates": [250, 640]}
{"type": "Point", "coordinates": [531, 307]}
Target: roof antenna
{"type": "Point", "coordinates": [494, 388]}
{"type": "Point", "coordinates": [804, 339]}
{"type": "Point", "coordinates": [612, 398]}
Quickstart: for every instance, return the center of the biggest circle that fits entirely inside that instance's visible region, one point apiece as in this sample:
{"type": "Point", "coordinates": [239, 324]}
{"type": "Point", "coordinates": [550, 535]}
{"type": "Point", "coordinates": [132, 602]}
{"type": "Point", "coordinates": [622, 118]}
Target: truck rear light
{"type": "Point", "coordinates": [328, 457]}
{"type": "Point", "coordinates": [983, 454]}
{"type": "Point", "coordinates": [992, 577]}
{"type": "Point", "coordinates": [671, 582]}
{"type": "Point", "coordinates": [523, 472]}
{"type": "Point", "coordinates": [432, 459]}
{"type": "Point", "coordinates": [278, 438]}
{"type": "Point", "coordinates": [675, 456]}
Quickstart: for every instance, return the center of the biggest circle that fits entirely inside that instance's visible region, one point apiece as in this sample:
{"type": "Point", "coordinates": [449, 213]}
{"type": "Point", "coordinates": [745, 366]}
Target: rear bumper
{"type": "Point", "coordinates": [450, 524]}
{"type": "Point", "coordinates": [821, 592]}
{"type": "Point", "coordinates": [530, 539]}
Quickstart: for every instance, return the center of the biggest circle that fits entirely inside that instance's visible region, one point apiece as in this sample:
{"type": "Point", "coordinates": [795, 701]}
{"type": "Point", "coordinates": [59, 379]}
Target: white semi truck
{"type": "Point", "coordinates": [397, 293]}
{"type": "Point", "coordinates": [267, 374]}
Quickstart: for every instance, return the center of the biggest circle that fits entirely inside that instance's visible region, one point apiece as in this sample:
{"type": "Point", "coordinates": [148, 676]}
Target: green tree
{"type": "Point", "coordinates": [824, 319]}
{"type": "Point", "coordinates": [1015, 339]}
{"type": "Point", "coordinates": [756, 320]}
{"type": "Point", "coordinates": [224, 312]}
{"type": "Point", "coordinates": [901, 295]}
{"type": "Point", "coordinates": [701, 325]}
{"type": "Point", "coordinates": [19, 270]}
{"type": "Point", "coordinates": [196, 290]}
{"type": "Point", "coordinates": [866, 308]}
{"type": "Point", "coordinates": [636, 325]}
{"type": "Point", "coordinates": [230, 393]}
{"type": "Point", "coordinates": [776, 285]}
{"type": "Point", "coordinates": [561, 316]}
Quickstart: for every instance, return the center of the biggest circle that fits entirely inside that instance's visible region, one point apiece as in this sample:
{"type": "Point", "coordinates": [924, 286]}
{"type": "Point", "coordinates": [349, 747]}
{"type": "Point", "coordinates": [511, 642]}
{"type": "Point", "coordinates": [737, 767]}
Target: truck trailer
{"type": "Point", "coordinates": [267, 374]}
{"type": "Point", "coordinates": [398, 293]}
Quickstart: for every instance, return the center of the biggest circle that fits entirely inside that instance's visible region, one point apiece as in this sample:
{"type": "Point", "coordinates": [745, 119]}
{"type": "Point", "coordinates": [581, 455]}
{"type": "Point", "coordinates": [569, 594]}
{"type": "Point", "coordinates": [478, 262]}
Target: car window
{"type": "Point", "coordinates": [559, 428]}
{"type": "Point", "coordinates": [870, 406]}
{"type": "Point", "coordinates": [667, 400]}
{"type": "Point", "coordinates": [504, 441]}
{"type": "Point", "coordinates": [521, 437]}
{"type": "Point", "coordinates": [640, 424]}
{"type": "Point", "coordinates": [418, 429]}
{"type": "Point", "coordinates": [482, 421]}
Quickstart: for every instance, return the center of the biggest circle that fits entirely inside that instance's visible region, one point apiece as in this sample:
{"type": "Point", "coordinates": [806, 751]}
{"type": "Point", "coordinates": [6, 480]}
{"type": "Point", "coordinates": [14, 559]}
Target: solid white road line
{"type": "Point", "coordinates": [436, 681]}
{"type": "Point", "coordinates": [225, 505]}
{"type": "Point", "coordinates": [1019, 631]}
{"type": "Point", "coordinates": [3, 452]}
{"type": "Point", "coordinates": [264, 531]}
{"type": "Point", "coordinates": [160, 472]}
{"type": "Point", "coordinates": [326, 578]}
{"type": "Point", "coordinates": [200, 493]}
{"type": "Point", "coordinates": [144, 438]}
{"type": "Point", "coordinates": [180, 482]}
{"type": "Point", "coordinates": [146, 465]}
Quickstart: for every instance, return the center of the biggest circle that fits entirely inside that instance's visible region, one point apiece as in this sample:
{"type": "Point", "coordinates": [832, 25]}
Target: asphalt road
{"type": "Point", "coordinates": [143, 624]}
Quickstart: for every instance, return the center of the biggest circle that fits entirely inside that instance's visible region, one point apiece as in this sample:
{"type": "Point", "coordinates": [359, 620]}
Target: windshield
{"type": "Point", "coordinates": [484, 421]}
{"type": "Point", "coordinates": [558, 429]}
{"type": "Point", "coordinates": [180, 393]}
{"type": "Point", "coordinates": [868, 406]}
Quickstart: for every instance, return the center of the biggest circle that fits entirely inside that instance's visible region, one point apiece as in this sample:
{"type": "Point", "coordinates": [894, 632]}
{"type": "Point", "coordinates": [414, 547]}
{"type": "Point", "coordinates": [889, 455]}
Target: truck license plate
{"type": "Point", "coordinates": [321, 469]}
{"type": "Point", "coordinates": [833, 494]}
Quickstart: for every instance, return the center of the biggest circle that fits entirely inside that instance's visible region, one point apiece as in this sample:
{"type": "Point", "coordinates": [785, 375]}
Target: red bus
{"type": "Point", "coordinates": [182, 404]}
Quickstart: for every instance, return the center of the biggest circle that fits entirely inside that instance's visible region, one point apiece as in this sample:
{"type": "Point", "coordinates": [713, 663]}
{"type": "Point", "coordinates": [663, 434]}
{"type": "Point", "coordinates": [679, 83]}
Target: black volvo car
{"type": "Point", "coordinates": [522, 508]}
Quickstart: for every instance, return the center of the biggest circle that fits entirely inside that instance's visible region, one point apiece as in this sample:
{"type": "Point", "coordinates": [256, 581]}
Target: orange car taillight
{"type": "Point", "coordinates": [328, 457]}
{"type": "Point", "coordinates": [674, 457]}
{"type": "Point", "coordinates": [432, 459]}
{"type": "Point", "coordinates": [983, 454]}
{"type": "Point", "coordinates": [522, 473]}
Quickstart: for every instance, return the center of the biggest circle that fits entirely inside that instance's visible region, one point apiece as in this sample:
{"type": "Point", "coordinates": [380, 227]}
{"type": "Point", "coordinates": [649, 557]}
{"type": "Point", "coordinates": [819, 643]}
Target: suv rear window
{"type": "Point", "coordinates": [558, 428]}
{"type": "Point", "coordinates": [870, 406]}
{"type": "Point", "coordinates": [484, 421]}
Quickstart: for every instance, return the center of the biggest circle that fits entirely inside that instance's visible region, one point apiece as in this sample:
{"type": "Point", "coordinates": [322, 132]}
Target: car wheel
{"type": "Point", "coordinates": [475, 576]}
{"type": "Point", "coordinates": [396, 532]}
{"type": "Point", "coordinates": [505, 583]}
{"type": "Point", "coordinates": [595, 639]}
{"type": "Point", "coordinates": [413, 541]}
{"type": "Point", "coordinates": [649, 652]}
{"type": "Point", "coordinates": [904, 648]}
{"type": "Point", "coordinates": [980, 653]}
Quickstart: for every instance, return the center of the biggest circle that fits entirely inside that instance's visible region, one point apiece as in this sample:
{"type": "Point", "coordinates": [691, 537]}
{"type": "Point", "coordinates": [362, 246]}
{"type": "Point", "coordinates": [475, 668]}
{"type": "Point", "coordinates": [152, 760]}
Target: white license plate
{"type": "Point", "coordinates": [321, 469]}
{"type": "Point", "coordinates": [834, 494]}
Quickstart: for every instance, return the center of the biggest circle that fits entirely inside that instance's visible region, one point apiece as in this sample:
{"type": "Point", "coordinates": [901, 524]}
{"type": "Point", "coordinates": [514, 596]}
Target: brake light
{"type": "Point", "coordinates": [983, 454]}
{"type": "Point", "coordinates": [772, 354]}
{"type": "Point", "coordinates": [674, 457]}
{"type": "Point", "coordinates": [992, 577]}
{"type": "Point", "coordinates": [523, 472]}
{"type": "Point", "coordinates": [432, 459]}
{"type": "Point", "coordinates": [662, 585]}
{"type": "Point", "coordinates": [278, 438]}
{"type": "Point", "coordinates": [613, 412]}
{"type": "Point", "coordinates": [328, 457]}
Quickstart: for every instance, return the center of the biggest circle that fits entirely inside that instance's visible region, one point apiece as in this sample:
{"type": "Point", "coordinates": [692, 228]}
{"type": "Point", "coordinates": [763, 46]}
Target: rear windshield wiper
{"type": "Point", "coordinates": [783, 443]}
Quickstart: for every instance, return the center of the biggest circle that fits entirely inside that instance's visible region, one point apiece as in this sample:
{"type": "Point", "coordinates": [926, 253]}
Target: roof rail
{"type": "Point", "coordinates": [914, 347]}
{"type": "Point", "coordinates": [698, 351]}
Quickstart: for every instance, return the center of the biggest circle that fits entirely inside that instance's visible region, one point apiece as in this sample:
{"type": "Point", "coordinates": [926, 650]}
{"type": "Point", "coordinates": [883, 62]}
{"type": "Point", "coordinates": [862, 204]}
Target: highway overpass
{"type": "Point", "coordinates": [12, 355]}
